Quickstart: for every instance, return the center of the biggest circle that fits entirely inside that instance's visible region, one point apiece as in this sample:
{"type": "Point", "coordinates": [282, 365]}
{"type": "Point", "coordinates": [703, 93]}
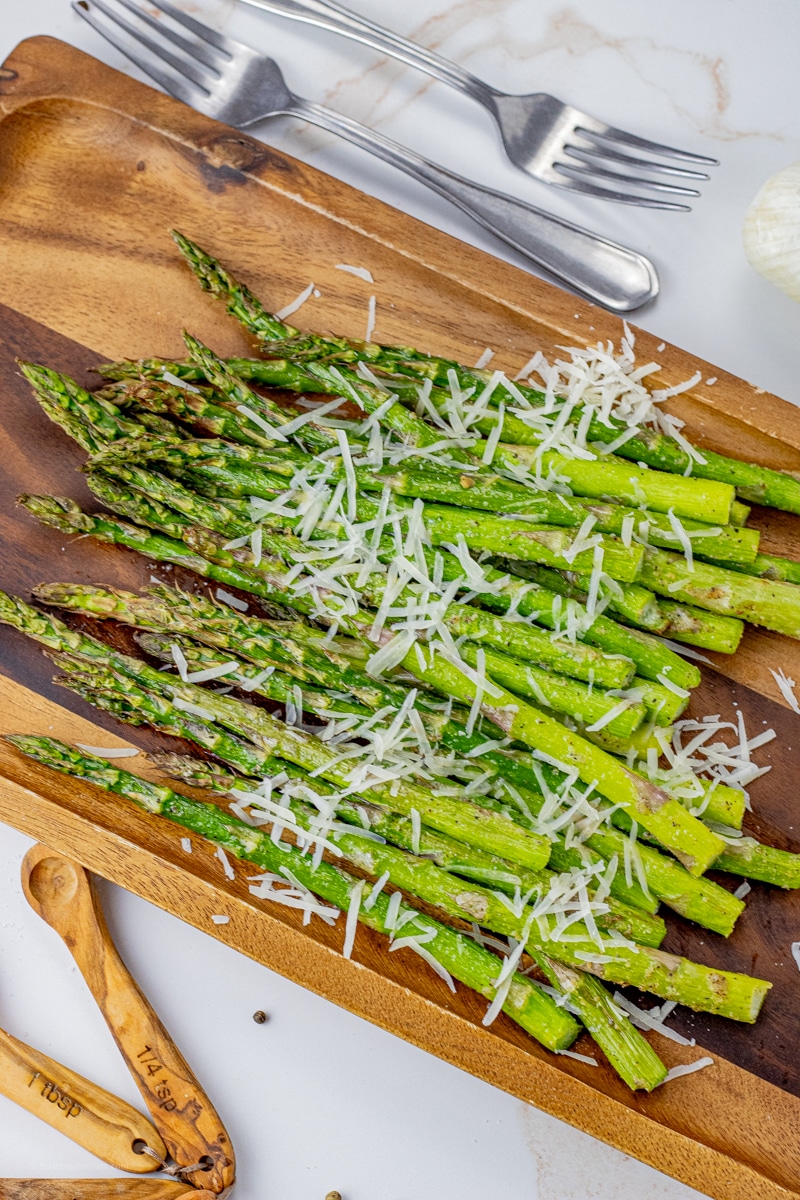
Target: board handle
{"type": "Point", "coordinates": [94, 1118]}
{"type": "Point", "coordinates": [64, 895]}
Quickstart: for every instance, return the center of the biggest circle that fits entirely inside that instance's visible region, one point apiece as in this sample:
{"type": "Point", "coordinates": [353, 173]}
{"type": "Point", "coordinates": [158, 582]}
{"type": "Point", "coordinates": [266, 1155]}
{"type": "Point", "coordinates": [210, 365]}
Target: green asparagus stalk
{"type": "Point", "coordinates": [92, 422]}
{"type": "Point", "coordinates": [196, 407]}
{"type": "Point", "coordinates": [613, 479]}
{"type": "Point", "coordinates": [653, 809]}
{"type": "Point", "coordinates": [689, 839]}
{"type": "Point", "coordinates": [229, 518]}
{"type": "Point", "coordinates": [773, 604]}
{"type": "Point", "coordinates": [727, 993]}
{"type": "Point", "coordinates": [565, 658]}
{"type": "Point", "coordinates": [604, 1021]}
{"type": "Point", "coordinates": [559, 693]}
{"type": "Point", "coordinates": [105, 602]}
{"type": "Point", "coordinates": [631, 602]}
{"type": "Point", "coordinates": [710, 631]}
{"type": "Point", "coordinates": [752, 483]}
{"type": "Point", "coordinates": [455, 817]}
{"type": "Point", "coordinates": [63, 514]}
{"type": "Point", "coordinates": [450, 855]}
{"type": "Point", "coordinates": [765, 566]}
{"type": "Point", "coordinates": [319, 378]}
{"type": "Point", "coordinates": [461, 957]}
{"type": "Point", "coordinates": [120, 695]}
{"type": "Point", "coordinates": [452, 736]}
{"type": "Point", "coordinates": [225, 466]}
{"type": "Point", "coordinates": [699, 900]}
{"type": "Point", "coordinates": [129, 703]}
{"type": "Point", "coordinates": [499, 495]}
{"type": "Point", "coordinates": [754, 860]}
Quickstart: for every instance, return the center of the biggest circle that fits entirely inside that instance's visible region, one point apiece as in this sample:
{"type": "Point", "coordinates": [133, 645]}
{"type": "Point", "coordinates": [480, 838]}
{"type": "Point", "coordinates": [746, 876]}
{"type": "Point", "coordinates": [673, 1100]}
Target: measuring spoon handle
{"type": "Point", "coordinates": [94, 1118]}
{"type": "Point", "coordinates": [64, 895]}
{"type": "Point", "coordinates": [98, 1189]}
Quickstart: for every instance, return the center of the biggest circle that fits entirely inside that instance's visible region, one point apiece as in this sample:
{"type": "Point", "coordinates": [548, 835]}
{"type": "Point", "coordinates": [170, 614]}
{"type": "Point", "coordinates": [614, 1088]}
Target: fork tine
{"type": "Point", "coordinates": [185, 89]}
{"type": "Point", "coordinates": [597, 172]}
{"type": "Point", "coordinates": [589, 125]}
{"type": "Point", "coordinates": [599, 151]}
{"type": "Point", "coordinates": [194, 49]}
{"type": "Point", "coordinates": [601, 193]}
{"type": "Point", "coordinates": [197, 28]}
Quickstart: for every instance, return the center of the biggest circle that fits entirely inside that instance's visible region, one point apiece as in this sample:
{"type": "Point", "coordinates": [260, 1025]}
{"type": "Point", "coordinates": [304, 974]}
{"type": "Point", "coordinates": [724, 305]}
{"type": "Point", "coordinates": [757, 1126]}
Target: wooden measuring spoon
{"type": "Point", "coordinates": [98, 1189]}
{"type": "Point", "coordinates": [64, 895]}
{"type": "Point", "coordinates": [84, 1112]}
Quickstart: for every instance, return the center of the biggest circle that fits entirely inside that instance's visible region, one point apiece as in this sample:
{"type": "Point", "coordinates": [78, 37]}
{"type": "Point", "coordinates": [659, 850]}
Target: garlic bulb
{"type": "Point", "coordinates": [772, 231]}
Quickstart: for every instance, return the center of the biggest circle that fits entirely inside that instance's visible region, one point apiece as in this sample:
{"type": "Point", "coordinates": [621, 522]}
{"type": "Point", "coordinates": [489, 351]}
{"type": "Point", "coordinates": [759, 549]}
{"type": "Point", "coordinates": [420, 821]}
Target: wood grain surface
{"type": "Point", "coordinates": [93, 169]}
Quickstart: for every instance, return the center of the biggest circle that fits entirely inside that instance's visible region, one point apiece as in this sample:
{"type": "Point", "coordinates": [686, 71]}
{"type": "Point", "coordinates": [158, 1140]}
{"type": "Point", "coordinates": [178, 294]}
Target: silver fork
{"type": "Point", "coordinates": [238, 85]}
{"type": "Point", "coordinates": [553, 141]}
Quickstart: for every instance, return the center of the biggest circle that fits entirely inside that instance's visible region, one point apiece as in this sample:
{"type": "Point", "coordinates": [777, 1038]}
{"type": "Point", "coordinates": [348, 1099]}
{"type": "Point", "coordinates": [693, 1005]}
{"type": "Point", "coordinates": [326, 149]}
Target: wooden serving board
{"type": "Point", "coordinates": [94, 169]}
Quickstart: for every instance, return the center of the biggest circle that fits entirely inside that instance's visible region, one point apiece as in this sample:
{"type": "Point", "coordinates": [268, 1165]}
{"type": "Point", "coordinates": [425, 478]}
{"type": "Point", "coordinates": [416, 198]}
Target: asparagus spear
{"type": "Point", "coordinates": [465, 821]}
{"type": "Point", "coordinates": [689, 839]}
{"type": "Point", "coordinates": [562, 657]}
{"type": "Point", "coordinates": [649, 654]}
{"type": "Point", "coordinates": [461, 957]}
{"type": "Point", "coordinates": [613, 479]}
{"type": "Point", "coordinates": [758, 484]}
{"type": "Point", "coordinates": [765, 566]}
{"type": "Point", "coordinates": [487, 491]}
{"type": "Point", "coordinates": [711, 631]}
{"type": "Point", "coordinates": [453, 856]}
{"type": "Point", "coordinates": [630, 602]}
{"type": "Point", "coordinates": [753, 483]}
{"type": "Point", "coordinates": [773, 604]}
{"type": "Point", "coordinates": [563, 695]}
{"type": "Point", "coordinates": [129, 703]}
{"type": "Point", "coordinates": [727, 993]}
{"type": "Point", "coordinates": [650, 806]}
{"type": "Point", "coordinates": [754, 860]}
{"type": "Point", "coordinates": [698, 899]}
{"type": "Point", "coordinates": [91, 421]}
{"type": "Point", "coordinates": [63, 514]}
{"type": "Point", "coordinates": [493, 763]}
{"type": "Point", "coordinates": [226, 466]}
{"type": "Point", "coordinates": [197, 408]}
{"type": "Point", "coordinates": [231, 517]}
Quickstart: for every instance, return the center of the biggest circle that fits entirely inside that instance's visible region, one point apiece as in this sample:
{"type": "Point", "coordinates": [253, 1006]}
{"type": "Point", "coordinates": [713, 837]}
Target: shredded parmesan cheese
{"type": "Point", "coordinates": [293, 305]}
{"type": "Point", "coordinates": [226, 866]}
{"type": "Point", "coordinates": [231, 600]}
{"type": "Point", "coordinates": [361, 272]}
{"type": "Point", "coordinates": [353, 909]}
{"type": "Point", "coordinates": [787, 687]}
{"type": "Point", "coordinates": [686, 1069]}
{"type": "Point", "coordinates": [370, 319]}
{"type": "Point", "coordinates": [108, 751]}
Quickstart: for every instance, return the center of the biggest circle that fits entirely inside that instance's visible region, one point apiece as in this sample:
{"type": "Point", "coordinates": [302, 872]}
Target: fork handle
{"type": "Point", "coordinates": [327, 15]}
{"type": "Point", "coordinates": [605, 272]}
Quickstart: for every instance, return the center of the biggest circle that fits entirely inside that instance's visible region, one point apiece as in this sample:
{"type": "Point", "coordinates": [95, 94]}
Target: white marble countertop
{"type": "Point", "coordinates": [317, 1099]}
